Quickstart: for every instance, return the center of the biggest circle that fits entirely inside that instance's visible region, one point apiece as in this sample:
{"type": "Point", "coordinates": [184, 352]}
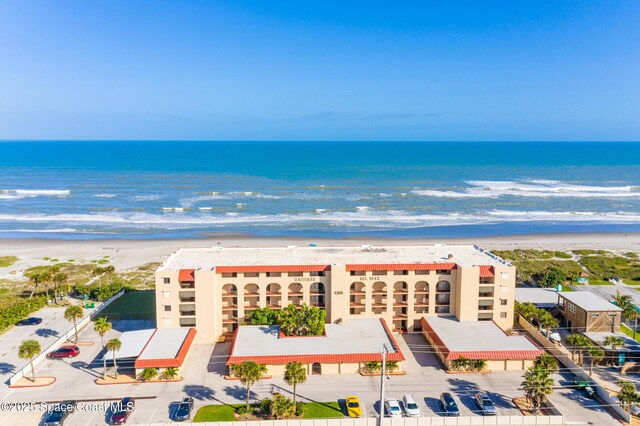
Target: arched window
{"type": "Point", "coordinates": [317, 288]}
{"type": "Point", "coordinates": [273, 288]}
{"type": "Point", "coordinates": [400, 286]}
{"type": "Point", "coordinates": [443, 286]}
{"type": "Point", "coordinates": [422, 287]}
{"type": "Point", "coordinates": [229, 289]}
{"type": "Point", "coordinates": [357, 287]}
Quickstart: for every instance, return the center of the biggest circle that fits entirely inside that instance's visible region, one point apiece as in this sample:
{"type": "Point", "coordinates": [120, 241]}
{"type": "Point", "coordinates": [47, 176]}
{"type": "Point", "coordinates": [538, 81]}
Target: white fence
{"type": "Point", "coordinates": [405, 421]}
{"type": "Point", "coordinates": [574, 368]}
{"type": "Point", "coordinates": [55, 345]}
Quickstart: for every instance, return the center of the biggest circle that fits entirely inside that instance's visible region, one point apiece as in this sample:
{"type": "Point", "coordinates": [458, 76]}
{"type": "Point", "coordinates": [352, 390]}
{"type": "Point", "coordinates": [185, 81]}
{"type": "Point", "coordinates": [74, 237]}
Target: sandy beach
{"type": "Point", "coordinates": [126, 254]}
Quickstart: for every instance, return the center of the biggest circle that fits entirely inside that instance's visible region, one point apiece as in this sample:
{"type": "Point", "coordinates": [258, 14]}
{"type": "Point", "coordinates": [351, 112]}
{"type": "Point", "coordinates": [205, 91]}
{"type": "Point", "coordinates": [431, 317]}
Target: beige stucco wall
{"type": "Point", "coordinates": [464, 297]}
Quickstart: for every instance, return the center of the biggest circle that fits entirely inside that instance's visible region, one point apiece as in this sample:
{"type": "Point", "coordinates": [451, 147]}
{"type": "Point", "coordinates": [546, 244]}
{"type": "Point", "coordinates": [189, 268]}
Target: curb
{"type": "Point", "coordinates": [137, 382]}
{"type": "Point", "coordinates": [35, 386]}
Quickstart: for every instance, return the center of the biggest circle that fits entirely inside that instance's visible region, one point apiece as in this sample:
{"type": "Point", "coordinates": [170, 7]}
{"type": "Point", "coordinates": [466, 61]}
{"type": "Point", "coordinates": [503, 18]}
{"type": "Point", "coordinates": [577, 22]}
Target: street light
{"type": "Point", "coordinates": [385, 349]}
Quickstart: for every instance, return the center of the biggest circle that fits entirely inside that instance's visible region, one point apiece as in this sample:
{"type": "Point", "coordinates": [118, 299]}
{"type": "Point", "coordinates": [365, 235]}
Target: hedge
{"type": "Point", "coordinates": [19, 310]}
{"type": "Point", "coordinates": [101, 292]}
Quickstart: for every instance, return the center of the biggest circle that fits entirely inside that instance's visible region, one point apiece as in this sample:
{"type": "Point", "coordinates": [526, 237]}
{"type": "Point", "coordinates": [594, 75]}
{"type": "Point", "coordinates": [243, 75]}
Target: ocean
{"type": "Point", "coordinates": [152, 190]}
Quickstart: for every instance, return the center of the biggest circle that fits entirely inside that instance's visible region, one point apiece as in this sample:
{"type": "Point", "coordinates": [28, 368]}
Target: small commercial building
{"type": "Point", "coordinates": [584, 311]}
{"type": "Point", "coordinates": [154, 348]}
{"type": "Point", "coordinates": [544, 298]}
{"type": "Point", "coordinates": [478, 340]}
{"type": "Point", "coordinates": [343, 348]}
{"type": "Point", "coordinates": [630, 351]}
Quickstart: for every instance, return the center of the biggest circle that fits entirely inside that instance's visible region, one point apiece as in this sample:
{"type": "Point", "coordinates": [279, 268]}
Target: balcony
{"type": "Point", "coordinates": [229, 294]}
{"type": "Point", "coordinates": [485, 308]}
{"type": "Point", "coordinates": [187, 285]}
{"type": "Point", "coordinates": [486, 294]}
{"type": "Point", "coordinates": [229, 320]}
{"type": "Point", "coordinates": [187, 299]}
{"type": "Point", "coordinates": [188, 313]}
{"type": "Point", "coordinates": [187, 322]}
{"type": "Point", "coordinates": [229, 306]}
{"type": "Point", "coordinates": [251, 295]}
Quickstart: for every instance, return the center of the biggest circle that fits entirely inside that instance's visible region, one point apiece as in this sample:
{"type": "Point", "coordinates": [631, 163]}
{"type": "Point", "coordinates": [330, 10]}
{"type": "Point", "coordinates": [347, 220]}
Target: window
{"type": "Point", "coordinates": [503, 302]}
{"type": "Point", "coordinates": [504, 275]}
{"type": "Point", "coordinates": [443, 272]}
{"type": "Point", "coordinates": [595, 315]}
{"type": "Point", "coordinates": [251, 274]}
{"type": "Point", "coordinates": [274, 274]}
{"type": "Point", "coordinates": [229, 274]}
{"type": "Point", "coordinates": [166, 294]}
{"type": "Point", "coordinates": [404, 272]}
{"type": "Point", "coordinates": [503, 314]}
{"type": "Point", "coordinates": [504, 289]}
{"type": "Point", "coordinates": [167, 321]}
{"type": "Point", "coordinates": [167, 280]}
{"type": "Point", "coordinates": [422, 272]}
{"type": "Point", "coordinates": [572, 308]}
{"type": "Point", "coordinates": [167, 308]}
{"type": "Point", "coordinates": [317, 273]}
{"type": "Point", "coordinates": [358, 273]}
{"type": "Point", "coordinates": [295, 274]}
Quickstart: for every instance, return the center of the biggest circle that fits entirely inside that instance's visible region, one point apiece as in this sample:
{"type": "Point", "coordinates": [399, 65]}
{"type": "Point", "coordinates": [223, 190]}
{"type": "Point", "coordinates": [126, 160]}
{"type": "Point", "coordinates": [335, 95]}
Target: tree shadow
{"type": "Point", "coordinates": [6, 368]}
{"type": "Point", "coordinates": [239, 392]}
{"type": "Point", "coordinates": [83, 366]}
{"type": "Point", "coordinates": [466, 391]}
{"type": "Point", "coordinates": [198, 392]}
{"type": "Point", "coordinates": [47, 332]}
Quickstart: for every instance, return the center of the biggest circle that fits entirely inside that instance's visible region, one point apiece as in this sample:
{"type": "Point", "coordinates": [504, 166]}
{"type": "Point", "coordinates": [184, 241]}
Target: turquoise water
{"type": "Point", "coordinates": [105, 189]}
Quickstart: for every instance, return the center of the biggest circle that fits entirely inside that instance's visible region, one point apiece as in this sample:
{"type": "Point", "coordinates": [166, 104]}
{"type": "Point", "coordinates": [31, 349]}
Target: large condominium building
{"type": "Point", "coordinates": [215, 289]}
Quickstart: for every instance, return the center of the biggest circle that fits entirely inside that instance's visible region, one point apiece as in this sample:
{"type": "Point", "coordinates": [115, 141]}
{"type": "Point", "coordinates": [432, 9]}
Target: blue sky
{"type": "Point", "coordinates": [325, 70]}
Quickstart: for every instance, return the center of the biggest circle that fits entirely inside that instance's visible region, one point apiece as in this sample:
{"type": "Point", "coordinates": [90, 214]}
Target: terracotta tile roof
{"type": "Point", "coordinates": [186, 275]}
{"type": "Point", "coordinates": [401, 267]}
{"type": "Point", "coordinates": [170, 362]}
{"type": "Point", "coordinates": [273, 268]}
{"type": "Point", "coordinates": [486, 271]}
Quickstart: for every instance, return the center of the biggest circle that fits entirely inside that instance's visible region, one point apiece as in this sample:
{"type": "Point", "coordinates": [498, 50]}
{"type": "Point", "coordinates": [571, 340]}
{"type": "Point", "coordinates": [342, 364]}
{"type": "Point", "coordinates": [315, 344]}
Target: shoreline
{"type": "Point", "coordinates": [127, 254]}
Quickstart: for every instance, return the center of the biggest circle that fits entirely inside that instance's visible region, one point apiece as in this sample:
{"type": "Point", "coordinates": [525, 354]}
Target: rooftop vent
{"type": "Point", "coordinates": [450, 256]}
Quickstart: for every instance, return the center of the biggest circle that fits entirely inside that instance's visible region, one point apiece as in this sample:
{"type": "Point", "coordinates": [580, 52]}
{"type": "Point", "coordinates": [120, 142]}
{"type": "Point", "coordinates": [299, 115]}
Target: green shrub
{"type": "Point", "coordinates": [241, 410]}
{"type": "Point", "coordinates": [149, 374]}
{"type": "Point", "coordinates": [282, 407]}
{"type": "Point", "coordinates": [299, 409]}
{"type": "Point", "coordinates": [7, 261]}
{"type": "Point", "coordinates": [102, 292]}
{"type": "Point", "coordinates": [11, 314]}
{"type": "Point", "coordinates": [265, 407]}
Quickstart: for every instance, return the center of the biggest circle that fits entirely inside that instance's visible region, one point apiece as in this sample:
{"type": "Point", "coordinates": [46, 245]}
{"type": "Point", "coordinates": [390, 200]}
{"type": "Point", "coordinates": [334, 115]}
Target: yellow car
{"type": "Point", "coordinates": [354, 409]}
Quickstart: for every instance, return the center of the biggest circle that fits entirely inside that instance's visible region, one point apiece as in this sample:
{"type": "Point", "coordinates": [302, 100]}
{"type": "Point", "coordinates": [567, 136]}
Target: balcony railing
{"type": "Point", "coordinates": [187, 299]}
{"type": "Point", "coordinates": [188, 313]}
{"type": "Point", "coordinates": [187, 285]}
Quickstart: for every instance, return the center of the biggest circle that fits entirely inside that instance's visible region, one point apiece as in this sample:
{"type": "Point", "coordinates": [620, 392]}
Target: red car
{"type": "Point", "coordinates": [65, 352]}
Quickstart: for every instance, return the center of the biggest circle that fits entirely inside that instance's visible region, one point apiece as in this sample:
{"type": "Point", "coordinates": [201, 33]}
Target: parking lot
{"type": "Point", "coordinates": [52, 327]}
{"type": "Point", "coordinates": [203, 380]}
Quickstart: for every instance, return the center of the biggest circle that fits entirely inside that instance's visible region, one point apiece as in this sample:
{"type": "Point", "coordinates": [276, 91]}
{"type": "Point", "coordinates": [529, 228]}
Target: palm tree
{"type": "Point", "coordinates": [460, 364]}
{"type": "Point", "coordinates": [614, 341]}
{"type": "Point", "coordinates": [627, 394]}
{"type": "Point", "coordinates": [577, 342]}
{"type": "Point", "coordinates": [28, 350]}
{"type": "Point", "coordinates": [547, 321]}
{"type": "Point", "coordinates": [102, 326]}
{"type": "Point", "coordinates": [149, 374]}
{"type": "Point", "coordinates": [74, 313]}
{"type": "Point", "coordinates": [45, 280]}
{"type": "Point", "coordinates": [479, 364]}
{"type": "Point", "coordinates": [537, 385]}
{"type": "Point", "coordinates": [170, 373]}
{"type": "Point", "coordinates": [34, 277]}
{"type": "Point", "coordinates": [295, 373]}
{"type": "Point", "coordinates": [595, 354]}
{"type": "Point", "coordinates": [547, 363]}
{"type": "Point", "coordinates": [249, 372]}
{"type": "Point", "coordinates": [60, 278]}
{"type": "Point", "coordinates": [622, 300]}
{"type": "Point", "coordinates": [526, 310]}
{"type": "Point", "coordinates": [114, 346]}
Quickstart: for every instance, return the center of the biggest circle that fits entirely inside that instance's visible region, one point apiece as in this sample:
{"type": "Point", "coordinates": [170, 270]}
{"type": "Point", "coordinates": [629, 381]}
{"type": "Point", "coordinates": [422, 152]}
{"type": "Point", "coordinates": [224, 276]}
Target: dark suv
{"type": "Point", "coordinates": [449, 405]}
{"type": "Point", "coordinates": [182, 410]}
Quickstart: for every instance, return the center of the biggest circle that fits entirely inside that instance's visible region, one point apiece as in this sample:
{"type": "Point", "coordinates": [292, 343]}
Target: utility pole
{"type": "Point", "coordinates": [385, 349]}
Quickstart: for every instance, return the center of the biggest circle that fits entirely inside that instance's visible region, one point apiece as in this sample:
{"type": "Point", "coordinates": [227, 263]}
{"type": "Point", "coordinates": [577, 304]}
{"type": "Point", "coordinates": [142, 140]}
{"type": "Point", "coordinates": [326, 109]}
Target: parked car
{"type": "Point", "coordinates": [411, 408]}
{"type": "Point", "coordinates": [554, 336]}
{"type": "Point", "coordinates": [485, 405]}
{"type": "Point", "coordinates": [449, 405]}
{"type": "Point", "coordinates": [183, 409]}
{"type": "Point", "coordinates": [392, 407]}
{"type": "Point", "coordinates": [354, 409]}
{"type": "Point", "coordinates": [121, 411]}
{"type": "Point", "coordinates": [29, 321]}
{"type": "Point", "coordinates": [65, 352]}
{"type": "Point", "coordinates": [635, 410]}
{"type": "Point", "coordinates": [586, 387]}
{"type": "Point", "coordinates": [58, 413]}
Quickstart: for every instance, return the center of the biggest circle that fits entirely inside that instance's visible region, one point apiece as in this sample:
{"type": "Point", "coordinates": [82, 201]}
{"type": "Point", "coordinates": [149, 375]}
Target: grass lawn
{"type": "Point", "coordinates": [566, 288]}
{"type": "Point", "coordinates": [599, 282]}
{"type": "Point", "coordinates": [322, 410]}
{"type": "Point", "coordinates": [216, 413]}
{"type": "Point", "coordinates": [133, 305]}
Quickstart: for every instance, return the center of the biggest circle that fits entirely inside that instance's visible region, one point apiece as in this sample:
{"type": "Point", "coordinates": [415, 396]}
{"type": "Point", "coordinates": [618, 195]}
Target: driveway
{"type": "Point", "coordinates": [52, 327]}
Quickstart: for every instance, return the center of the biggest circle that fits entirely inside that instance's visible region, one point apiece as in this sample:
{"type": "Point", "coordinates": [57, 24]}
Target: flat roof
{"type": "Point", "coordinates": [209, 257]}
{"type": "Point", "coordinates": [589, 302]}
{"type": "Point", "coordinates": [165, 343]}
{"type": "Point", "coordinates": [132, 343]}
{"type": "Point", "coordinates": [477, 340]}
{"type": "Point", "coordinates": [352, 341]}
{"type": "Point", "coordinates": [541, 297]}
{"type": "Point", "coordinates": [598, 337]}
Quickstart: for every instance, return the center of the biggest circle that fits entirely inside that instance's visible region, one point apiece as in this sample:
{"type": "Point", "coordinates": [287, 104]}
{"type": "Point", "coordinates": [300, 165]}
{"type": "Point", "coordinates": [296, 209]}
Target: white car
{"type": "Point", "coordinates": [392, 407]}
{"type": "Point", "coordinates": [635, 410]}
{"type": "Point", "coordinates": [411, 408]}
{"type": "Point", "coordinates": [552, 335]}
